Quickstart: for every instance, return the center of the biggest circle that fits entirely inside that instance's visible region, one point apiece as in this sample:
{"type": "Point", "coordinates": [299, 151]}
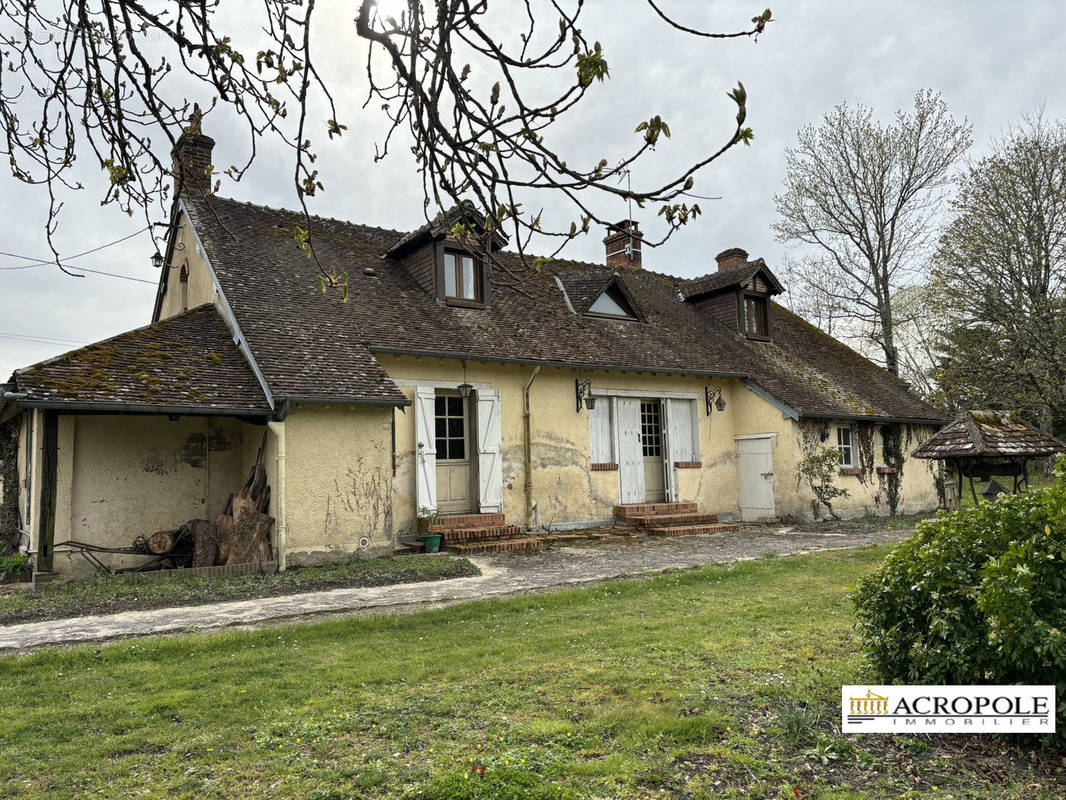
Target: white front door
{"type": "Point", "coordinates": [630, 450]}
{"type": "Point", "coordinates": [755, 470]}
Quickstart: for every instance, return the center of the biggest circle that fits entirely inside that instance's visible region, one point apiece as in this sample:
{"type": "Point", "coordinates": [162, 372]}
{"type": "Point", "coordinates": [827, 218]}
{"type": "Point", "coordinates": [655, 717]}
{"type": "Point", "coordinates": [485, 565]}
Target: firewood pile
{"type": "Point", "coordinates": [239, 535]}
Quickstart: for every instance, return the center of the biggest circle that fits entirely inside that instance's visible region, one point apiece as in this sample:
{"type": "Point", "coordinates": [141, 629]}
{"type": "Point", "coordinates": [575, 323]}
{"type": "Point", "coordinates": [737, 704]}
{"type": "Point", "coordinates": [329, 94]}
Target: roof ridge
{"type": "Point", "coordinates": [318, 217]}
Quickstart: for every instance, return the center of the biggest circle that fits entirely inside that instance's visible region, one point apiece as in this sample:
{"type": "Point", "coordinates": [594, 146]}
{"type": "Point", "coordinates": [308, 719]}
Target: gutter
{"type": "Point", "coordinates": [545, 362]}
{"type": "Point", "coordinates": [278, 429]}
{"type": "Point", "coordinates": [140, 408]}
{"type": "Point", "coordinates": [284, 402]}
{"type": "Point", "coordinates": [874, 417]}
{"type": "Point", "coordinates": [527, 449]}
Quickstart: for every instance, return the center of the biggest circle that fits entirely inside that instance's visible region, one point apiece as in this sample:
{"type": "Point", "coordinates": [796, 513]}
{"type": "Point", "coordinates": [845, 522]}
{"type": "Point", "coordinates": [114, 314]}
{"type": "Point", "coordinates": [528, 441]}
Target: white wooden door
{"type": "Point", "coordinates": [425, 450]}
{"type": "Point", "coordinates": [490, 467]}
{"type": "Point", "coordinates": [630, 451]}
{"type": "Point", "coordinates": [755, 470]}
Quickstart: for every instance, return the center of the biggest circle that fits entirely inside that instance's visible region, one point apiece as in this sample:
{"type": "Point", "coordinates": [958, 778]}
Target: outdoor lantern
{"type": "Point", "coordinates": [464, 389]}
{"type": "Point", "coordinates": [157, 260]}
{"type": "Point", "coordinates": [583, 390]}
{"type": "Point", "coordinates": [713, 398]}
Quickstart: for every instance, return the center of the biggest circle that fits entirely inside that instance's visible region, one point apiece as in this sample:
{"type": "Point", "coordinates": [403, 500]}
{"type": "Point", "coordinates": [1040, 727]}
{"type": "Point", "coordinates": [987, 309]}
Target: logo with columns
{"type": "Point", "coordinates": [871, 703]}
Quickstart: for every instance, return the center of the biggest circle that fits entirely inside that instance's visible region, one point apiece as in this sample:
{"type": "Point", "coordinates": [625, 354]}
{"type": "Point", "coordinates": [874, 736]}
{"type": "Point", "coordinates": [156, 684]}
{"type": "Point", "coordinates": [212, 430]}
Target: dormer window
{"type": "Point", "coordinates": [463, 277]}
{"type": "Point", "coordinates": [612, 303]}
{"type": "Point", "coordinates": [756, 316]}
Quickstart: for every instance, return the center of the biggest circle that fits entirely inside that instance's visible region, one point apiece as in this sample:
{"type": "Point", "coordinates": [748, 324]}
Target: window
{"type": "Point", "coordinates": [846, 447]}
{"type": "Point", "coordinates": [450, 419]}
{"type": "Point", "coordinates": [756, 316]}
{"type": "Point", "coordinates": [462, 276]}
{"type": "Point", "coordinates": [612, 303]}
{"type": "Point", "coordinates": [651, 428]}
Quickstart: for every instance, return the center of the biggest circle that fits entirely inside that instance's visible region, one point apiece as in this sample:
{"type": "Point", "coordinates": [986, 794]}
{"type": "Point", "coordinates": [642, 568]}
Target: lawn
{"type": "Point", "coordinates": [107, 594]}
{"type": "Point", "coordinates": [721, 681]}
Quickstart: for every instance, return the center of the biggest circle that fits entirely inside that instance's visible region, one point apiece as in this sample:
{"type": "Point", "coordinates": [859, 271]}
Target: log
{"type": "Point", "coordinates": [225, 533]}
{"type": "Point", "coordinates": [205, 542]}
{"type": "Point", "coordinates": [162, 542]}
{"type": "Point", "coordinates": [251, 544]}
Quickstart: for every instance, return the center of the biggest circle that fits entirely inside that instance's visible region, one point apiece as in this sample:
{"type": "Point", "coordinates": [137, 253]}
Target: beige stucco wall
{"type": "Point", "coordinates": [123, 476]}
{"type": "Point", "coordinates": [338, 469]}
{"type": "Point", "coordinates": [200, 287]}
{"type": "Point", "coordinates": [566, 492]}
{"type": "Point", "coordinates": [867, 491]}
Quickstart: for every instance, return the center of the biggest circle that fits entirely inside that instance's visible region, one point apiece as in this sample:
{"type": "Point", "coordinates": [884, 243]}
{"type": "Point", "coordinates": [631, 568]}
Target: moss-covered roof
{"type": "Point", "coordinates": [989, 434]}
{"type": "Point", "coordinates": [188, 360]}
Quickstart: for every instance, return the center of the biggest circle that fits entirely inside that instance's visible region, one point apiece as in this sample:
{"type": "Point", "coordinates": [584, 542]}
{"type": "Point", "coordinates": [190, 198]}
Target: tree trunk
{"type": "Point", "coordinates": [162, 542]}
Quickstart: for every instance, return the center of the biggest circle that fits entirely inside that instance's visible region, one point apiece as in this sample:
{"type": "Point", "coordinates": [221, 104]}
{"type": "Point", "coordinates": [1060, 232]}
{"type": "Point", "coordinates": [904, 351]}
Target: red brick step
{"type": "Point", "coordinates": [452, 521]}
{"type": "Point", "coordinates": [666, 520]}
{"type": "Point", "coordinates": [646, 509]}
{"type": "Point", "coordinates": [690, 530]}
{"type": "Point", "coordinates": [496, 546]}
{"type": "Point", "coordinates": [486, 534]}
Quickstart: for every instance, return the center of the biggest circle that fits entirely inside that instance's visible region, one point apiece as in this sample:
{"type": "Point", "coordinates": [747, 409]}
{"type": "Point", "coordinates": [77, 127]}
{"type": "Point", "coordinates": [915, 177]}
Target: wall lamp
{"type": "Point", "coordinates": [157, 260]}
{"type": "Point", "coordinates": [713, 397]}
{"type": "Point", "coordinates": [464, 387]}
{"type": "Point", "coordinates": [583, 389]}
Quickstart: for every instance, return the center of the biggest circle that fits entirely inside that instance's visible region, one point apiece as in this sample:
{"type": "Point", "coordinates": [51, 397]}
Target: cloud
{"type": "Point", "coordinates": [991, 61]}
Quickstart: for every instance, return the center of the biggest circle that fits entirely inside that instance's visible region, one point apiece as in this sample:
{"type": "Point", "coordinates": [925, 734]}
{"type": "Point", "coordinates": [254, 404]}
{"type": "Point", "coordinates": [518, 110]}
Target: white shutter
{"type": "Point", "coordinates": [600, 449]}
{"type": "Point", "coordinates": [489, 459]}
{"type": "Point", "coordinates": [630, 452]}
{"type": "Point", "coordinates": [680, 430]}
{"type": "Point", "coordinates": [425, 449]}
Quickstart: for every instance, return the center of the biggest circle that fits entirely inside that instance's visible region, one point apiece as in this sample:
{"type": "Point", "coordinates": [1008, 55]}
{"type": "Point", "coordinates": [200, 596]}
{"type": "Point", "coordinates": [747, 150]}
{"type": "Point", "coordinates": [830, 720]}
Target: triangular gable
{"type": "Point", "coordinates": [739, 277]}
{"type": "Point", "coordinates": [597, 297]}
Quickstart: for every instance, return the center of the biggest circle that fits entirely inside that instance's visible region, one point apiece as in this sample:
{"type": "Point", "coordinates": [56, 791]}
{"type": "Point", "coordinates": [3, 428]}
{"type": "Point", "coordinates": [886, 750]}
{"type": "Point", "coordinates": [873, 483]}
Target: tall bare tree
{"type": "Point", "coordinates": [1001, 269]}
{"type": "Point", "coordinates": [863, 195]}
{"type": "Point", "coordinates": [473, 98]}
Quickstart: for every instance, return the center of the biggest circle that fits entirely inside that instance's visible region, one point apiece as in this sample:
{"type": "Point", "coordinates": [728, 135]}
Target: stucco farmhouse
{"type": "Point", "coordinates": [443, 388]}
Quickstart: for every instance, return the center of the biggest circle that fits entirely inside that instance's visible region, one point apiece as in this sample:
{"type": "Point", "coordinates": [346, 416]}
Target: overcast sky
{"type": "Point", "coordinates": [993, 62]}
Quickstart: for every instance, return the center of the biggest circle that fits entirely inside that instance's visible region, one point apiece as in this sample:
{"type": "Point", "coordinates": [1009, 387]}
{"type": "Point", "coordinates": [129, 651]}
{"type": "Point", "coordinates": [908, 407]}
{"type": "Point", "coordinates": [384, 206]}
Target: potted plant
{"type": "Point", "coordinates": [15, 568]}
{"type": "Point", "coordinates": [430, 539]}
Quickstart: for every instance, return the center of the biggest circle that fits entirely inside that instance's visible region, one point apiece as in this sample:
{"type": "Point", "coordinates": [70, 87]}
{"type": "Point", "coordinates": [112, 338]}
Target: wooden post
{"type": "Point", "coordinates": [49, 469]}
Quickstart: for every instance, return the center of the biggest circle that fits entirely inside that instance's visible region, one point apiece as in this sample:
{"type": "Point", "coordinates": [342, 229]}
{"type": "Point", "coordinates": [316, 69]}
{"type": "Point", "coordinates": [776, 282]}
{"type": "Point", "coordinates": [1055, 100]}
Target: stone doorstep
{"type": "Point", "coordinates": [453, 521]}
{"type": "Point", "coordinates": [690, 530]}
{"type": "Point", "coordinates": [667, 520]}
{"type": "Point", "coordinates": [647, 509]}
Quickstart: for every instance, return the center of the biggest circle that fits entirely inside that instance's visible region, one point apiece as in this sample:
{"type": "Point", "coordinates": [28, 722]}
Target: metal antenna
{"type": "Point", "coordinates": [629, 211]}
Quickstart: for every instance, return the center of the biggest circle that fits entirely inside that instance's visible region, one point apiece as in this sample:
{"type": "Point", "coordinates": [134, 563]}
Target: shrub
{"type": "Point", "coordinates": [820, 469]}
{"type": "Point", "coordinates": [975, 597]}
{"type": "Point", "coordinates": [14, 564]}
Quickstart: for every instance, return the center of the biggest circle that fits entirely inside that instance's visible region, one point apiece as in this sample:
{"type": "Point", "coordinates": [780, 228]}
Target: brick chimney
{"type": "Point", "coordinates": [731, 259]}
{"type": "Point", "coordinates": [623, 245]}
{"type": "Point", "coordinates": [192, 158]}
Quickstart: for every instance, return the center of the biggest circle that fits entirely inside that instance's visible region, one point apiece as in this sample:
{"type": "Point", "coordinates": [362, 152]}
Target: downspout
{"type": "Point", "coordinates": [278, 429]}
{"type": "Point", "coordinates": [528, 449]}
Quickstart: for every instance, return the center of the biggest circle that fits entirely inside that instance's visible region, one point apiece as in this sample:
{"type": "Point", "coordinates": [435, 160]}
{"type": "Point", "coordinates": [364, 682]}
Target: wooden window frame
{"type": "Point", "coordinates": [742, 314]}
{"type": "Point", "coordinates": [850, 449]}
{"type": "Point", "coordinates": [482, 289]}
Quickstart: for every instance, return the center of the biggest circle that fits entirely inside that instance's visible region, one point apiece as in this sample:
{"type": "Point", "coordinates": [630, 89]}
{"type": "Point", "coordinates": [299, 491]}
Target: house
{"type": "Point", "coordinates": [445, 385]}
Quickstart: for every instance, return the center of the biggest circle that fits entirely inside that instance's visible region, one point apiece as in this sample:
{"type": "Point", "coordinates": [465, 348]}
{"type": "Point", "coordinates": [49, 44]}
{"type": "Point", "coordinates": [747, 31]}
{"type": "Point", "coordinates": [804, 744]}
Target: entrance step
{"type": "Point", "coordinates": [690, 530]}
{"type": "Point", "coordinates": [629, 511]}
{"type": "Point", "coordinates": [495, 533]}
{"type": "Point", "coordinates": [450, 522]}
{"type": "Point", "coordinates": [495, 546]}
{"type": "Point", "coordinates": [667, 520]}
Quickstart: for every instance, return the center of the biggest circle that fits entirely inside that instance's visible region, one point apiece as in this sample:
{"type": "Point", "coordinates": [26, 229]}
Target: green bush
{"type": "Point", "coordinates": [14, 564]}
{"type": "Point", "coordinates": [975, 597]}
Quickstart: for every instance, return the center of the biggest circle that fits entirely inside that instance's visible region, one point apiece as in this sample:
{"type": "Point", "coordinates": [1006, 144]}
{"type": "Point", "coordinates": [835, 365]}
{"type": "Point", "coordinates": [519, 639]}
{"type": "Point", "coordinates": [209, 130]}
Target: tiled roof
{"type": "Point", "coordinates": [311, 344]}
{"type": "Point", "coordinates": [726, 279]}
{"type": "Point", "coordinates": [989, 434]}
{"type": "Point", "coordinates": [188, 360]}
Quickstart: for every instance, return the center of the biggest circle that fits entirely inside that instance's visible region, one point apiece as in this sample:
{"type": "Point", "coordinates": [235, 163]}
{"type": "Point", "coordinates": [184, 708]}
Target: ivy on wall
{"type": "Point", "coordinates": [892, 451]}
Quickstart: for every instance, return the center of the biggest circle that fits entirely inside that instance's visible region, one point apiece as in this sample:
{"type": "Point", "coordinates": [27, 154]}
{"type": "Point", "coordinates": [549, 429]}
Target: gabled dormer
{"type": "Point", "coordinates": [738, 294]}
{"type": "Point", "coordinates": [453, 268]}
{"type": "Point", "coordinates": [596, 296]}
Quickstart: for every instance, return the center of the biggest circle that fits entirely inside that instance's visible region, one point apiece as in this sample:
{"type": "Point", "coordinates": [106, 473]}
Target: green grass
{"type": "Point", "coordinates": [685, 682]}
{"type": "Point", "coordinates": [108, 594]}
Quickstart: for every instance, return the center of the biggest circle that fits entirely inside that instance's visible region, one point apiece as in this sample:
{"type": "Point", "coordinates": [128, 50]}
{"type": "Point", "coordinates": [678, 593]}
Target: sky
{"type": "Point", "coordinates": [992, 61]}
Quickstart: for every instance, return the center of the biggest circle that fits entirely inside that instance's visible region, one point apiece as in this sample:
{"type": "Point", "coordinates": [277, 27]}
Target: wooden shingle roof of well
{"type": "Point", "coordinates": [989, 434]}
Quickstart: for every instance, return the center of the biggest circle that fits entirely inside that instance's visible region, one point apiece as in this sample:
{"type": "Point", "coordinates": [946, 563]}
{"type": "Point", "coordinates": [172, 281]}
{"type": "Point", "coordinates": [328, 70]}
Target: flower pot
{"type": "Point", "coordinates": [432, 542]}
